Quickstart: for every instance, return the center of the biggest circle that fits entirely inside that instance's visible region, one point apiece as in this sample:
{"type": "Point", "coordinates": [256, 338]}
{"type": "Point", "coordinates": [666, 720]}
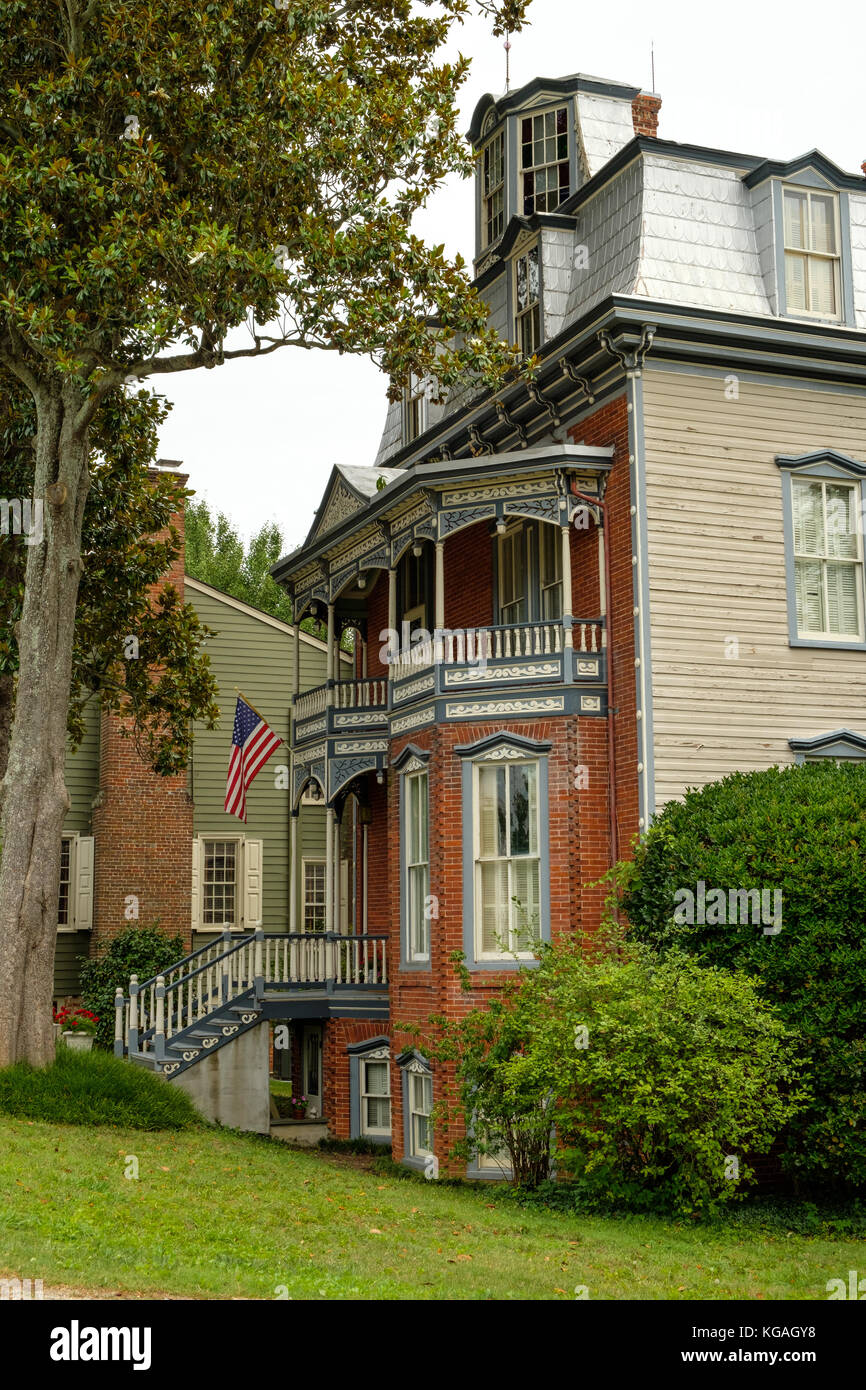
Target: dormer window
{"type": "Point", "coordinates": [414, 410]}
{"type": "Point", "coordinates": [493, 188]}
{"type": "Point", "coordinates": [544, 167]}
{"type": "Point", "coordinates": [812, 262]}
{"type": "Point", "coordinates": [527, 301]}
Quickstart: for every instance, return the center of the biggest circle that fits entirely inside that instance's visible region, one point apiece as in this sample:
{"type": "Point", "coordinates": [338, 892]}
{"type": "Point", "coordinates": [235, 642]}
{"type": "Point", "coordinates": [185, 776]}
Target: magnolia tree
{"type": "Point", "coordinates": [172, 174]}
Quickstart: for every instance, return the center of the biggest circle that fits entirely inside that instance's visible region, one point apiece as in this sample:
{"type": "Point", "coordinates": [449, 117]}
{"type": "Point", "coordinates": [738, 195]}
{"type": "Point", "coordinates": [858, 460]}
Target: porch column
{"type": "Point", "coordinates": [567, 614]}
{"type": "Point", "coordinates": [329, 698]}
{"type": "Point", "coordinates": [338, 921]}
{"type": "Point", "coordinates": [392, 600]}
{"type": "Point", "coordinates": [439, 606]}
{"type": "Point", "coordinates": [296, 672]}
{"type": "Point", "coordinates": [364, 877]}
{"type": "Point", "coordinates": [330, 817]}
{"type": "Point", "coordinates": [363, 658]}
{"type": "Point", "coordinates": [294, 870]}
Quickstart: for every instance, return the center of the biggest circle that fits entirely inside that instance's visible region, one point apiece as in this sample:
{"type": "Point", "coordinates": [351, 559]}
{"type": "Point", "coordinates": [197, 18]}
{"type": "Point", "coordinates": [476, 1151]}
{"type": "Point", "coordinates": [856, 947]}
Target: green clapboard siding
{"type": "Point", "coordinates": [251, 654]}
{"type": "Point", "coordinates": [82, 773]}
{"type": "Point", "coordinates": [70, 946]}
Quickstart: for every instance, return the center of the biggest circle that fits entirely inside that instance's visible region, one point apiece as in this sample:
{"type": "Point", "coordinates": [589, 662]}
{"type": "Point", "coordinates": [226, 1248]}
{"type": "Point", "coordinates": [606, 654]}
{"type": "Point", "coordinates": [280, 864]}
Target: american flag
{"type": "Point", "coordinates": [252, 744]}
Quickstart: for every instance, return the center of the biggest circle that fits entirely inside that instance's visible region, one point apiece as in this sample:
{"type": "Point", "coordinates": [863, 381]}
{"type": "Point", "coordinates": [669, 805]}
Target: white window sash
{"type": "Point", "coordinates": [513, 863]}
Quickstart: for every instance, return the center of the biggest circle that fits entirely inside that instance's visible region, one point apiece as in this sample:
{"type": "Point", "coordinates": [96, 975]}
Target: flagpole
{"type": "Point", "coordinates": [252, 707]}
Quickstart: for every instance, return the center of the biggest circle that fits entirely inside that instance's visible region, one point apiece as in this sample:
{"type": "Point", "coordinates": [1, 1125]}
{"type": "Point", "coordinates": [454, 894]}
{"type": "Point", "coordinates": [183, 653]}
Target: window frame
{"type": "Point", "coordinates": [238, 842]}
{"type": "Point", "coordinates": [309, 861]}
{"type": "Point", "coordinates": [415, 418]}
{"type": "Point", "coordinates": [489, 192]}
{"type": "Point", "coordinates": [411, 762]}
{"type": "Point", "coordinates": [531, 312]}
{"type": "Point", "coordinates": [360, 1055]}
{"type": "Point", "coordinates": [826, 466]}
{"type": "Point", "coordinates": [540, 113]}
{"type": "Point", "coordinates": [412, 1065]}
{"type": "Point", "coordinates": [498, 748]}
{"type": "Point", "coordinates": [808, 254]}
{"type": "Point", "coordinates": [509, 858]}
{"type": "Point", "coordinates": [417, 777]}
{"type": "Point", "coordinates": [364, 1094]}
{"type": "Point", "coordinates": [72, 855]}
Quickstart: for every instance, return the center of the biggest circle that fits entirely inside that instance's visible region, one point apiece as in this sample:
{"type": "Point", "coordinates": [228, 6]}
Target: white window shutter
{"type": "Point", "coordinates": [83, 880]}
{"type": "Point", "coordinates": [252, 884]}
{"type": "Point", "coordinates": [197, 848]}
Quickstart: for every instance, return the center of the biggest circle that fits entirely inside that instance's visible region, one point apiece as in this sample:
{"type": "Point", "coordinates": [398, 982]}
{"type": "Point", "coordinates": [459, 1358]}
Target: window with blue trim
{"type": "Point", "coordinates": [507, 859]}
{"type": "Point", "coordinates": [417, 855]}
{"type": "Point", "coordinates": [828, 558]}
{"type": "Point", "coordinates": [824, 506]}
{"type": "Point", "coordinates": [813, 270]}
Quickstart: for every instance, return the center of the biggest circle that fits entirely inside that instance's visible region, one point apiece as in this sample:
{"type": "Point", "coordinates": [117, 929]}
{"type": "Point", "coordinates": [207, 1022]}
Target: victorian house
{"type": "Point", "coordinates": [573, 599]}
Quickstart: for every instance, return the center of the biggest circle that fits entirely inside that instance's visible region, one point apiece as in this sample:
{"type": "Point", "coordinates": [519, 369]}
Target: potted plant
{"type": "Point", "coordinates": [299, 1107]}
{"type": "Point", "coordinates": [77, 1027]}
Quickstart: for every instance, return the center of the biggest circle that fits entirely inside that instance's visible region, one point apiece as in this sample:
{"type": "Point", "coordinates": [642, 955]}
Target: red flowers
{"type": "Point", "coordinates": [75, 1020]}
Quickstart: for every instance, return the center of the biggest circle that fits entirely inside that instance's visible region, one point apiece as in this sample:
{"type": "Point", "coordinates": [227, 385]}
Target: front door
{"type": "Point", "coordinates": [313, 1070]}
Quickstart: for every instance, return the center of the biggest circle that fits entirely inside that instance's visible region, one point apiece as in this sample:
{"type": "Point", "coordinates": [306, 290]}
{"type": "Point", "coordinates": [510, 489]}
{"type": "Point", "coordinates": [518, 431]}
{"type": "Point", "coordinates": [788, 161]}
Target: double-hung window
{"type": "Point", "coordinates": [420, 1113]}
{"type": "Point", "coordinates": [812, 259]}
{"type": "Point", "coordinates": [544, 167]}
{"type": "Point", "coordinates": [64, 905]}
{"type": "Point", "coordinates": [375, 1097]}
{"type": "Point", "coordinates": [417, 849]}
{"type": "Point", "coordinates": [314, 895]}
{"type": "Point", "coordinates": [527, 301]}
{"type": "Point", "coordinates": [828, 559]}
{"type": "Point", "coordinates": [414, 410]}
{"type": "Point", "coordinates": [493, 188]}
{"type": "Point", "coordinates": [513, 568]}
{"type": "Point", "coordinates": [507, 859]}
{"type": "Point", "coordinates": [220, 884]}
{"type": "Point", "coordinates": [550, 570]}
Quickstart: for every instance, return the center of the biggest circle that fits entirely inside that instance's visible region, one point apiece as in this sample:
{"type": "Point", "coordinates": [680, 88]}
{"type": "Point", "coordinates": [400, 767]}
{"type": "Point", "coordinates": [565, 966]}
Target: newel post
{"type": "Point", "coordinates": [259, 964]}
{"type": "Point", "coordinates": [132, 1036]}
{"type": "Point", "coordinates": [159, 1031]}
{"type": "Point", "coordinates": [119, 1002]}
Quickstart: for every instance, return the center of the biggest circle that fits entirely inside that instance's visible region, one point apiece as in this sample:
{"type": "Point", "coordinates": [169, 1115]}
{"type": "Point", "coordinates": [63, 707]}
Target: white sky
{"type": "Point", "coordinates": [765, 77]}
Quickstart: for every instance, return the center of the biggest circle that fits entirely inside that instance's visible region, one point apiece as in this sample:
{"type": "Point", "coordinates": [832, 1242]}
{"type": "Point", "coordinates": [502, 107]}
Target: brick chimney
{"type": "Point", "coordinates": [142, 826]}
{"type": "Point", "coordinates": [645, 114]}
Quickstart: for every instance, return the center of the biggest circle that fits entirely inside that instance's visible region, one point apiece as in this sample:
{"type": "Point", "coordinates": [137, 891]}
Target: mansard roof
{"type": "Point", "coordinates": [540, 87]}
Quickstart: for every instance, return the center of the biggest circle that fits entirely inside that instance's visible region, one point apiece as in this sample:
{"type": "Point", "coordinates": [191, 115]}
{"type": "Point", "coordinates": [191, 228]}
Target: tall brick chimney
{"type": "Point", "coordinates": [645, 113]}
{"type": "Point", "coordinates": [142, 826]}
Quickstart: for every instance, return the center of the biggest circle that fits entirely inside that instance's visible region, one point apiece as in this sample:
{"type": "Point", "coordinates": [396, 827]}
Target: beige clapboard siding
{"type": "Point", "coordinates": [257, 657]}
{"type": "Point", "coordinates": [716, 559]}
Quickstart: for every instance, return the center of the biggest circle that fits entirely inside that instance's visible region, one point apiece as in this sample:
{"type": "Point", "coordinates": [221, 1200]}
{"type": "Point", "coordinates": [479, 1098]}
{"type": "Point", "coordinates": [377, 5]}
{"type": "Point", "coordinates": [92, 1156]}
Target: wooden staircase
{"type": "Point", "coordinates": [217, 993]}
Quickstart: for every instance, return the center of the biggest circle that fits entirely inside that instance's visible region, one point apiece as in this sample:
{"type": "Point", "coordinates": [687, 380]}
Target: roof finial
{"type": "Point", "coordinates": [507, 47]}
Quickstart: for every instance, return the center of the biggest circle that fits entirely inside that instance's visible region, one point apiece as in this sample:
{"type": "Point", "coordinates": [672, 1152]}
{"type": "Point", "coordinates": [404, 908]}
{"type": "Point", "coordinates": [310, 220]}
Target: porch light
{"type": "Point", "coordinates": [500, 526]}
{"type": "Point", "coordinates": [362, 579]}
{"type": "Point", "coordinates": [380, 777]}
{"type": "Point", "coordinates": [416, 549]}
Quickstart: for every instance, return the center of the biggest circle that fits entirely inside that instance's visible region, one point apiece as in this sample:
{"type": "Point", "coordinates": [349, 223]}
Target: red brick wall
{"type": "Point", "coordinates": [605, 426]}
{"type": "Point", "coordinates": [142, 828]}
{"type": "Point", "coordinates": [469, 577]}
{"type": "Point", "coordinates": [578, 814]}
{"type": "Point", "coordinates": [645, 114]}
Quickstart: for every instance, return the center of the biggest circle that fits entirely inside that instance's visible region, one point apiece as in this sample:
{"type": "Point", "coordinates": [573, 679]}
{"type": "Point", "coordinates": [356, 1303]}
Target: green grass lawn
{"type": "Point", "coordinates": [215, 1214]}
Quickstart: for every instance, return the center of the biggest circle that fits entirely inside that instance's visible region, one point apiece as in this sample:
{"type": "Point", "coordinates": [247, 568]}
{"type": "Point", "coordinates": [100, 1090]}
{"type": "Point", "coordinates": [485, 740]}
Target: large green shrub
{"type": "Point", "coordinates": [801, 832]}
{"type": "Point", "coordinates": [659, 1077]}
{"type": "Point", "coordinates": [136, 950]}
{"type": "Point", "coordinates": [92, 1088]}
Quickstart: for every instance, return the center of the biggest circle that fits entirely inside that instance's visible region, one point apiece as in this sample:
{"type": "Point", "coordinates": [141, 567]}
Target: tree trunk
{"type": "Point", "coordinates": [35, 799]}
{"type": "Point", "coordinates": [12, 556]}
